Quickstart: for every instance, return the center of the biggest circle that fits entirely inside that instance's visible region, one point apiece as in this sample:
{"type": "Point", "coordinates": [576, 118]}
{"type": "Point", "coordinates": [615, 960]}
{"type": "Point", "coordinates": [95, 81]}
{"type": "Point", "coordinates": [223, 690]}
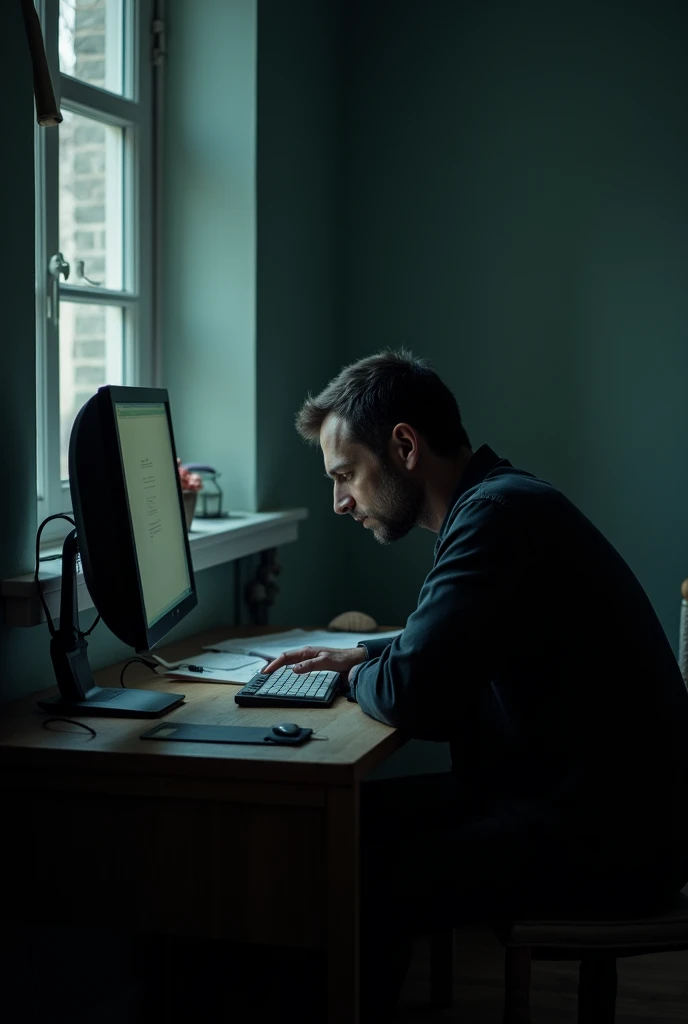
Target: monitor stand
{"type": "Point", "coordinates": [68, 650]}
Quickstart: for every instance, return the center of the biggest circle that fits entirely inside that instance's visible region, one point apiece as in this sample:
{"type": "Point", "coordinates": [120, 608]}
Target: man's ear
{"type": "Point", "coordinates": [404, 446]}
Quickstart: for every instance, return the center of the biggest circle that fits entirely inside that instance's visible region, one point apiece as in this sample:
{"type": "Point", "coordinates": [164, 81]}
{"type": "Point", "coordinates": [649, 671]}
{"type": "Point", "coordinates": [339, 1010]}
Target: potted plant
{"type": "Point", "coordinates": [191, 485]}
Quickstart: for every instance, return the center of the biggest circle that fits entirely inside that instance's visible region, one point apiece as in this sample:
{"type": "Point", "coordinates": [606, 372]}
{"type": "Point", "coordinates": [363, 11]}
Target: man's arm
{"type": "Point", "coordinates": [373, 647]}
{"type": "Point", "coordinates": [423, 680]}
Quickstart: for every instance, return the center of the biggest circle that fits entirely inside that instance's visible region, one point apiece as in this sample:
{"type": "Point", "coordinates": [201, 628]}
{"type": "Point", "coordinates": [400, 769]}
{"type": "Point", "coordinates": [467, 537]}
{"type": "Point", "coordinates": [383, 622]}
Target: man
{"type": "Point", "coordinates": [533, 650]}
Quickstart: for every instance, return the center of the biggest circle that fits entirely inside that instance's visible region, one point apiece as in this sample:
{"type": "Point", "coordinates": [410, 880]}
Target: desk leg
{"type": "Point", "coordinates": [343, 905]}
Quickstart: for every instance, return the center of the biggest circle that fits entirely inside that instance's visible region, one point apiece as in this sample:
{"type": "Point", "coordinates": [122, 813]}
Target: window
{"type": "Point", "coordinates": [94, 203]}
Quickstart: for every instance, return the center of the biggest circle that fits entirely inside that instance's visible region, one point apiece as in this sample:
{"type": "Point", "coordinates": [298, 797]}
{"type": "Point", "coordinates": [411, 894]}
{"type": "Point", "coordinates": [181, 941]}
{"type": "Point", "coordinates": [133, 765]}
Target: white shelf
{"type": "Point", "coordinates": [212, 542]}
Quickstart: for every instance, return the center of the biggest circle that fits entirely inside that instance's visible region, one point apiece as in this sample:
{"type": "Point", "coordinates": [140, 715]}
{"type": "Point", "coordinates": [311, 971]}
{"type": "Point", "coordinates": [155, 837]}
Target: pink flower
{"type": "Point", "coordinates": [189, 481]}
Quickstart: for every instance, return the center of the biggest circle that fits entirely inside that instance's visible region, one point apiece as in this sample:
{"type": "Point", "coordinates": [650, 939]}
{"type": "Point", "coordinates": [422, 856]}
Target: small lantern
{"type": "Point", "coordinates": [210, 496]}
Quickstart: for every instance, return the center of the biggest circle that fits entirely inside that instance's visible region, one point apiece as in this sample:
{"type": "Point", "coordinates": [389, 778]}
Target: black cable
{"type": "Point", "coordinates": [51, 627]}
{"type": "Point", "coordinates": [82, 636]}
{"type": "Point", "coordinates": [82, 725]}
{"type": "Point", "coordinates": [59, 515]}
{"type": "Point", "coordinates": [144, 661]}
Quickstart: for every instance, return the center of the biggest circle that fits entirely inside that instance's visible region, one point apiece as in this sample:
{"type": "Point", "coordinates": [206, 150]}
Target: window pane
{"type": "Point", "coordinates": [91, 207]}
{"type": "Point", "coordinates": [91, 354]}
{"type": "Point", "coordinates": [91, 42]}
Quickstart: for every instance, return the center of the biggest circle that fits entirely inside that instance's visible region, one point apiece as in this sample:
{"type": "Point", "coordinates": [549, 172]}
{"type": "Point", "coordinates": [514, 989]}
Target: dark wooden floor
{"type": "Point", "coordinates": [652, 989]}
{"type": "Point", "coordinates": [205, 983]}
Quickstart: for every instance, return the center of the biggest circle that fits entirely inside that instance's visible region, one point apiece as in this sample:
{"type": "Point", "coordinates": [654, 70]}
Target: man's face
{"type": "Point", "coordinates": [373, 491]}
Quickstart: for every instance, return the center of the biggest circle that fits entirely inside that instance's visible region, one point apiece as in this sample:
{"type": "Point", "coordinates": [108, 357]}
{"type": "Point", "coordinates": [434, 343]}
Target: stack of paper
{"type": "Point", "coordinates": [273, 644]}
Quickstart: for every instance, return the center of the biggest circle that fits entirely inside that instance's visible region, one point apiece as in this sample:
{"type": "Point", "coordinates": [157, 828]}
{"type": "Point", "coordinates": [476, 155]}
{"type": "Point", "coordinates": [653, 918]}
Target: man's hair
{"type": "Point", "coordinates": [374, 394]}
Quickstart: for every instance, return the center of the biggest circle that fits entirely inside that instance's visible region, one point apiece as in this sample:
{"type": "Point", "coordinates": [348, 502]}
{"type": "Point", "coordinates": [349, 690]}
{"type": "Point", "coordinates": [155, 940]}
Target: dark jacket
{"type": "Point", "coordinates": [536, 653]}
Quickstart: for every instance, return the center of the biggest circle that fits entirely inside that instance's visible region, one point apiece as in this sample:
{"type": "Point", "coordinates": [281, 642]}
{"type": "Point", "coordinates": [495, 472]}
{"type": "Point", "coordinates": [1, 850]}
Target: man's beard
{"type": "Point", "coordinates": [398, 508]}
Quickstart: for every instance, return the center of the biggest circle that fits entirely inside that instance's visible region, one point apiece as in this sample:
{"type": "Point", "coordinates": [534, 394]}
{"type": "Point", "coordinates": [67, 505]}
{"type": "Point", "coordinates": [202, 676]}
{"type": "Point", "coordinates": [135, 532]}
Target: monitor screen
{"type": "Point", "coordinates": [129, 513]}
{"type": "Point", "coordinates": [150, 475]}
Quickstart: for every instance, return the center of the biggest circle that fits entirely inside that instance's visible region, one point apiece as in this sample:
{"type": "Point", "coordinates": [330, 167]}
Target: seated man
{"type": "Point", "coordinates": [533, 650]}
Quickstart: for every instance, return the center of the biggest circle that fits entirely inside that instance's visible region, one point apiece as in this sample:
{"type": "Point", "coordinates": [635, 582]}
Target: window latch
{"type": "Point", "coordinates": [58, 265]}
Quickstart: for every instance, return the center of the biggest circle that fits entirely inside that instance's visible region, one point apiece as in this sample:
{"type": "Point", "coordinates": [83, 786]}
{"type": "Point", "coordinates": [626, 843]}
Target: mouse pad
{"type": "Point", "coordinates": [222, 734]}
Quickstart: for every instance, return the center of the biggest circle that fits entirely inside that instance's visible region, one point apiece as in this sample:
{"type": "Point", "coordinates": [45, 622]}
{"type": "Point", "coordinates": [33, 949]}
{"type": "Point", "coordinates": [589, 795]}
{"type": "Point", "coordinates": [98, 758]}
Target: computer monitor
{"type": "Point", "coordinates": [132, 538]}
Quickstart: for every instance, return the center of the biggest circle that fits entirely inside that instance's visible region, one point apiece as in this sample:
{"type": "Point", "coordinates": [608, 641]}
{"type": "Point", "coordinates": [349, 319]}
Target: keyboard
{"type": "Point", "coordinates": [287, 689]}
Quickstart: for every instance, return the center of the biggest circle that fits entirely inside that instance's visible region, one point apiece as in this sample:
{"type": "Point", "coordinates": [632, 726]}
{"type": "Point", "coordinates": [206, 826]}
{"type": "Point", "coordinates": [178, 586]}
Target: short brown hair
{"type": "Point", "coordinates": [374, 394]}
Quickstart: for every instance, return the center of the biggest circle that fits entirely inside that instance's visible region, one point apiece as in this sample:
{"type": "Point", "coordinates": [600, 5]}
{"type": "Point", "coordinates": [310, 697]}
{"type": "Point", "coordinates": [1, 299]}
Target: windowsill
{"type": "Point", "coordinates": [212, 542]}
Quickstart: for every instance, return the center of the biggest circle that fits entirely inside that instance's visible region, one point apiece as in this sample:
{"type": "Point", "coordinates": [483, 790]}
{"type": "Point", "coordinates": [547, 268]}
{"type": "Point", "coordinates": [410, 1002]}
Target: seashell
{"type": "Point", "coordinates": [353, 622]}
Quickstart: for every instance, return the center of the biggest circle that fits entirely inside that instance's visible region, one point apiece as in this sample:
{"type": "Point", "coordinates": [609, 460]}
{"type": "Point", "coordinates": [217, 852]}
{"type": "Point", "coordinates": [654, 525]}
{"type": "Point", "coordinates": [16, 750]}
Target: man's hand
{"type": "Point", "coordinates": [318, 659]}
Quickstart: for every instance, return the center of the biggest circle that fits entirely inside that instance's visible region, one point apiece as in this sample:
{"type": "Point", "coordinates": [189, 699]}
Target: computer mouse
{"type": "Point", "coordinates": [286, 729]}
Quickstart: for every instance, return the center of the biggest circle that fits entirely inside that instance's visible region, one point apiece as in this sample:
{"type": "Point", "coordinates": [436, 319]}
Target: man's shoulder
{"type": "Point", "coordinates": [504, 490]}
{"type": "Point", "coordinates": [509, 486]}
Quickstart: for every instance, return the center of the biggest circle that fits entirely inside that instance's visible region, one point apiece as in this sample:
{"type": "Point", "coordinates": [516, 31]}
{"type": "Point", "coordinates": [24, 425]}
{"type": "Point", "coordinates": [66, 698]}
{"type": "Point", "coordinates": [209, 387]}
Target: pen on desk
{"type": "Point", "coordinates": [196, 668]}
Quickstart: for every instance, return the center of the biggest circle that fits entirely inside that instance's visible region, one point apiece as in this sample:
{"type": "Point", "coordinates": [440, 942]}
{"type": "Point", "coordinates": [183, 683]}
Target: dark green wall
{"type": "Point", "coordinates": [19, 658]}
{"type": "Point", "coordinates": [250, 261]}
{"type": "Point", "coordinates": [297, 287]}
{"type": "Point", "coordinates": [208, 347]}
{"type": "Point", "coordinates": [517, 211]}
{"type": "Point", "coordinates": [17, 299]}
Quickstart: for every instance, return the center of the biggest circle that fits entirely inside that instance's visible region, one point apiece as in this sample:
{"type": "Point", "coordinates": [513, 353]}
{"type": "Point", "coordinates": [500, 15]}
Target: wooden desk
{"type": "Point", "coordinates": [166, 825]}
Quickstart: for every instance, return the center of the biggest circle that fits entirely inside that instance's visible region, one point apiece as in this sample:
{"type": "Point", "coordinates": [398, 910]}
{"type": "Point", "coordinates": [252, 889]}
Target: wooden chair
{"type": "Point", "coordinates": [597, 944]}
{"type": "Point", "coordinates": [683, 633]}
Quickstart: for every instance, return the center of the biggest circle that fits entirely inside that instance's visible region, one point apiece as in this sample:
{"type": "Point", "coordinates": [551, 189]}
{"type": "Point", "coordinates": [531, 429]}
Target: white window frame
{"type": "Point", "coordinates": [135, 113]}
